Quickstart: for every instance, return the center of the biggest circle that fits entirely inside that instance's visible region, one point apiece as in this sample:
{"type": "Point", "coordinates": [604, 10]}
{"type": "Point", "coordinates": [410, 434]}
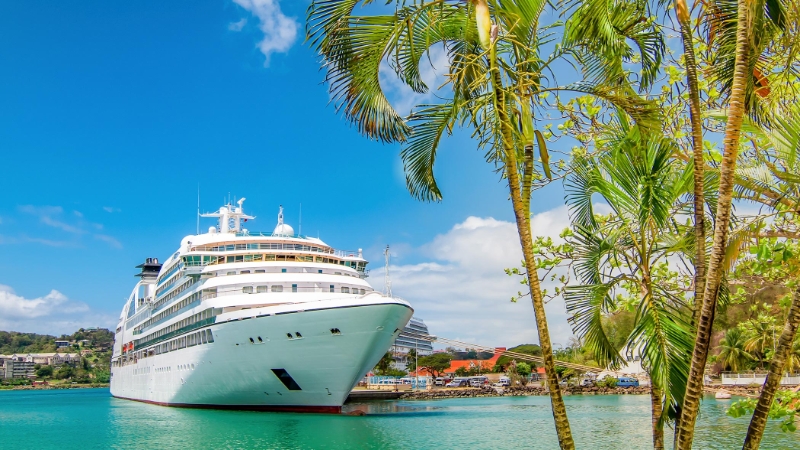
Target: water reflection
{"type": "Point", "coordinates": [598, 422]}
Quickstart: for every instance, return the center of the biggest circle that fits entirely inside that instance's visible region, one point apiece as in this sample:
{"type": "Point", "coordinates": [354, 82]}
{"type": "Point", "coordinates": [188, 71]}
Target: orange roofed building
{"type": "Point", "coordinates": [486, 365]}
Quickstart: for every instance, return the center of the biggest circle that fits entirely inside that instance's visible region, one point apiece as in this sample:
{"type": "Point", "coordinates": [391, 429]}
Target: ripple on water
{"type": "Point", "coordinates": [90, 418]}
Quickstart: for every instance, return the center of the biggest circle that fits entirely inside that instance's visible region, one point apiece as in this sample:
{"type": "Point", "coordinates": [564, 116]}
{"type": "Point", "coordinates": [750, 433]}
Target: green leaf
{"type": "Point", "coordinates": [542, 144]}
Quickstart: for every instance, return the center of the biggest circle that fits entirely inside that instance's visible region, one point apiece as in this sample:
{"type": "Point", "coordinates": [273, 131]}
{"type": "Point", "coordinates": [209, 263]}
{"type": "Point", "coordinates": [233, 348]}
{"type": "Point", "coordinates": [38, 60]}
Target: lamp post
{"type": "Point", "coordinates": [416, 363]}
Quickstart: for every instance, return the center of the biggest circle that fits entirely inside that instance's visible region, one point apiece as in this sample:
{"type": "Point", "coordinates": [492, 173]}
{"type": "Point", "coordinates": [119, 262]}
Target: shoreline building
{"type": "Point", "coordinates": [411, 338]}
{"type": "Point", "coordinates": [21, 365]}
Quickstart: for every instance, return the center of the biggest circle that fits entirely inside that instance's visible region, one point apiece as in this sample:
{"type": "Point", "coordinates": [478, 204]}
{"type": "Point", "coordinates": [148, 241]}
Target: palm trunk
{"type": "Point", "coordinates": [756, 429]}
{"type": "Point", "coordinates": [694, 388]}
{"type": "Point", "coordinates": [657, 408]}
{"type": "Point", "coordinates": [522, 216]}
{"type": "Point", "coordinates": [697, 154]}
{"type": "Point", "coordinates": [526, 240]}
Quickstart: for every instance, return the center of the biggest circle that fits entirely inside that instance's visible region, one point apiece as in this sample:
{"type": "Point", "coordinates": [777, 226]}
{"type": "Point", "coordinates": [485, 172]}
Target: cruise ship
{"type": "Point", "coordinates": [236, 319]}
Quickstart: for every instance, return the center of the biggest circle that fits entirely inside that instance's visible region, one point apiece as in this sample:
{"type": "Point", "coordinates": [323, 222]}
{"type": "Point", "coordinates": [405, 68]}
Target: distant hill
{"type": "Point", "coordinates": [15, 342]}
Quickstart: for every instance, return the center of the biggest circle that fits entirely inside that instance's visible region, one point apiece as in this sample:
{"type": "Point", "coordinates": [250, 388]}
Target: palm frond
{"type": "Point", "coordinates": [419, 154]}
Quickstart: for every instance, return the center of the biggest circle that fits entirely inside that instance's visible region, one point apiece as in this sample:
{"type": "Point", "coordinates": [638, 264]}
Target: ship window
{"type": "Point", "coordinates": [245, 271]}
{"type": "Point", "coordinates": [231, 273]}
{"type": "Point", "coordinates": [294, 288]}
{"type": "Point", "coordinates": [209, 336]}
{"type": "Point", "coordinates": [261, 271]}
{"type": "Point", "coordinates": [277, 288]}
{"type": "Point", "coordinates": [252, 341]}
{"type": "Point", "coordinates": [247, 289]}
{"type": "Point", "coordinates": [298, 335]}
{"type": "Point", "coordinates": [229, 259]}
{"type": "Point", "coordinates": [337, 273]}
{"type": "Point", "coordinates": [260, 340]}
{"type": "Point", "coordinates": [332, 290]}
{"type": "Point", "coordinates": [261, 289]}
{"type": "Point", "coordinates": [345, 290]}
{"type": "Point", "coordinates": [319, 271]}
{"type": "Point", "coordinates": [289, 335]}
{"type": "Point", "coordinates": [283, 270]}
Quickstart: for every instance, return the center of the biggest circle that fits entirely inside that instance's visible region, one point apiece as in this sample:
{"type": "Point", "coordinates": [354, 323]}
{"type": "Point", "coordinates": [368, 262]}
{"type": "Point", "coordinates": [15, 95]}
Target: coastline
{"type": "Point", "coordinates": [739, 391]}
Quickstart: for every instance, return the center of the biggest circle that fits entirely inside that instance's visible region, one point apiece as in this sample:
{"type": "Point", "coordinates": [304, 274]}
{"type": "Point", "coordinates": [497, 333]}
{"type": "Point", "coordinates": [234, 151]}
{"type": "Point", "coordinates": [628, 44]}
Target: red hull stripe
{"type": "Point", "coordinates": [276, 408]}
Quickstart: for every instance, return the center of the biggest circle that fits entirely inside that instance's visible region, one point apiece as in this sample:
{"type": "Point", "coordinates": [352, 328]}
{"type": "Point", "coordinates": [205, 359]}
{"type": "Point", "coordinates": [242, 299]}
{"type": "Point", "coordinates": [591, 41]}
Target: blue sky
{"type": "Point", "coordinates": [112, 113]}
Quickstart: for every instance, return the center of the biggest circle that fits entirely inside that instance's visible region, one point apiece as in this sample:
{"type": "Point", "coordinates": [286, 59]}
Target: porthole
{"type": "Point", "coordinates": [252, 341]}
{"type": "Point", "coordinates": [260, 340]}
{"type": "Point", "coordinates": [298, 334]}
{"type": "Point", "coordinates": [289, 335]}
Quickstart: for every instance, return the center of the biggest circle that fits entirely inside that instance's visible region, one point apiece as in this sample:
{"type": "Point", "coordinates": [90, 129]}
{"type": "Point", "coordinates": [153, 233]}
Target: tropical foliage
{"type": "Point", "coordinates": [657, 261]}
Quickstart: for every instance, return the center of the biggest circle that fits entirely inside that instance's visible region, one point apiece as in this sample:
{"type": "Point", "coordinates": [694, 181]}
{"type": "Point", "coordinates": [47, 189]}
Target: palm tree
{"type": "Point", "coordinates": [732, 353]}
{"type": "Point", "coordinates": [744, 31]}
{"type": "Point", "coordinates": [496, 77]}
{"type": "Point", "coordinates": [695, 119]}
{"type": "Point", "coordinates": [627, 252]}
{"type": "Point", "coordinates": [793, 357]}
{"type": "Point", "coordinates": [779, 360]}
{"type": "Point", "coordinates": [758, 336]}
{"type": "Point", "coordinates": [768, 176]}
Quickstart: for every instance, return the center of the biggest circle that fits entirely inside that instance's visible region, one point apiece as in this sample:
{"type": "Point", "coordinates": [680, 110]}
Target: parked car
{"type": "Point", "coordinates": [478, 381]}
{"type": "Point", "coordinates": [627, 382]}
{"type": "Point", "coordinates": [504, 381]}
{"type": "Point", "coordinates": [441, 381]}
{"type": "Point", "coordinates": [458, 382]}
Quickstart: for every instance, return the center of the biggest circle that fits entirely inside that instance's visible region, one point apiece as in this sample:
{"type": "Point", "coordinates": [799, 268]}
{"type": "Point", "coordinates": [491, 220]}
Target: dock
{"type": "Point", "coordinates": [370, 394]}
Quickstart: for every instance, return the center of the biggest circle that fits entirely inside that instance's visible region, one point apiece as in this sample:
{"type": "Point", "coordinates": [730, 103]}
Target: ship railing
{"type": "Point", "coordinates": [277, 246]}
{"type": "Point", "coordinates": [273, 289]}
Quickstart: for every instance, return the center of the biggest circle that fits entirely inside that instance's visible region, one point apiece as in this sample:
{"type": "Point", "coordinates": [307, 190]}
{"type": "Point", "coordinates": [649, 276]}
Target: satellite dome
{"type": "Point", "coordinates": [282, 229]}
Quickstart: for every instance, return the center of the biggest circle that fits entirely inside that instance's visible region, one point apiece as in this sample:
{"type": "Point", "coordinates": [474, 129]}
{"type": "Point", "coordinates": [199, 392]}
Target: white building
{"type": "Point", "coordinates": [411, 338]}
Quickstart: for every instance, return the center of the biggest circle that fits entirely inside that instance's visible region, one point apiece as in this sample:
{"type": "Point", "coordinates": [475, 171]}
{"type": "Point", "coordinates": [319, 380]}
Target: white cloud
{"type": "Point", "coordinates": [13, 306]}
{"type": "Point", "coordinates": [462, 292]}
{"type": "Point", "coordinates": [238, 25]}
{"type": "Point", "coordinates": [47, 220]}
{"type": "Point", "coordinates": [279, 30]}
{"type": "Point", "coordinates": [109, 240]}
{"type": "Point", "coordinates": [53, 313]}
{"type": "Point", "coordinates": [76, 225]}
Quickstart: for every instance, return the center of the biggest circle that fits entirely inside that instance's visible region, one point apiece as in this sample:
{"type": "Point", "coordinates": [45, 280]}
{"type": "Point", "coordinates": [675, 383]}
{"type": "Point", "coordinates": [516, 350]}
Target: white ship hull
{"type": "Point", "coordinates": [233, 373]}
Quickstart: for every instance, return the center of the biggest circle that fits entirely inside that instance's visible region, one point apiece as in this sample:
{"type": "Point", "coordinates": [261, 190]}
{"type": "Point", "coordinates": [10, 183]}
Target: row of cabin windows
{"type": "Point", "coordinates": [169, 311]}
{"type": "Point", "coordinates": [283, 270]}
{"type": "Point", "coordinates": [262, 246]}
{"type": "Point", "coordinates": [167, 285]}
{"type": "Point", "coordinates": [197, 338]}
{"type": "Point", "coordinates": [208, 260]}
{"type": "Point", "coordinates": [175, 292]}
{"type": "Point", "coordinates": [208, 313]}
{"type": "Point", "coordinates": [166, 273]}
{"type": "Point", "coordinates": [279, 288]}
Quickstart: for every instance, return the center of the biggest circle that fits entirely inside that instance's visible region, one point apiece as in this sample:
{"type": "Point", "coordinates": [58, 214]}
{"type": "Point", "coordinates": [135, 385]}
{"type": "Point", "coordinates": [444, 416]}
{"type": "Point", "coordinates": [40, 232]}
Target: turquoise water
{"type": "Point", "coordinates": [90, 418]}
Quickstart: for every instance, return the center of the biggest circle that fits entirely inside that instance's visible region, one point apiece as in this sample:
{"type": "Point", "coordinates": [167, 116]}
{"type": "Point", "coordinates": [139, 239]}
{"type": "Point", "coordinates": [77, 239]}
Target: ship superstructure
{"type": "Point", "coordinates": [252, 320]}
